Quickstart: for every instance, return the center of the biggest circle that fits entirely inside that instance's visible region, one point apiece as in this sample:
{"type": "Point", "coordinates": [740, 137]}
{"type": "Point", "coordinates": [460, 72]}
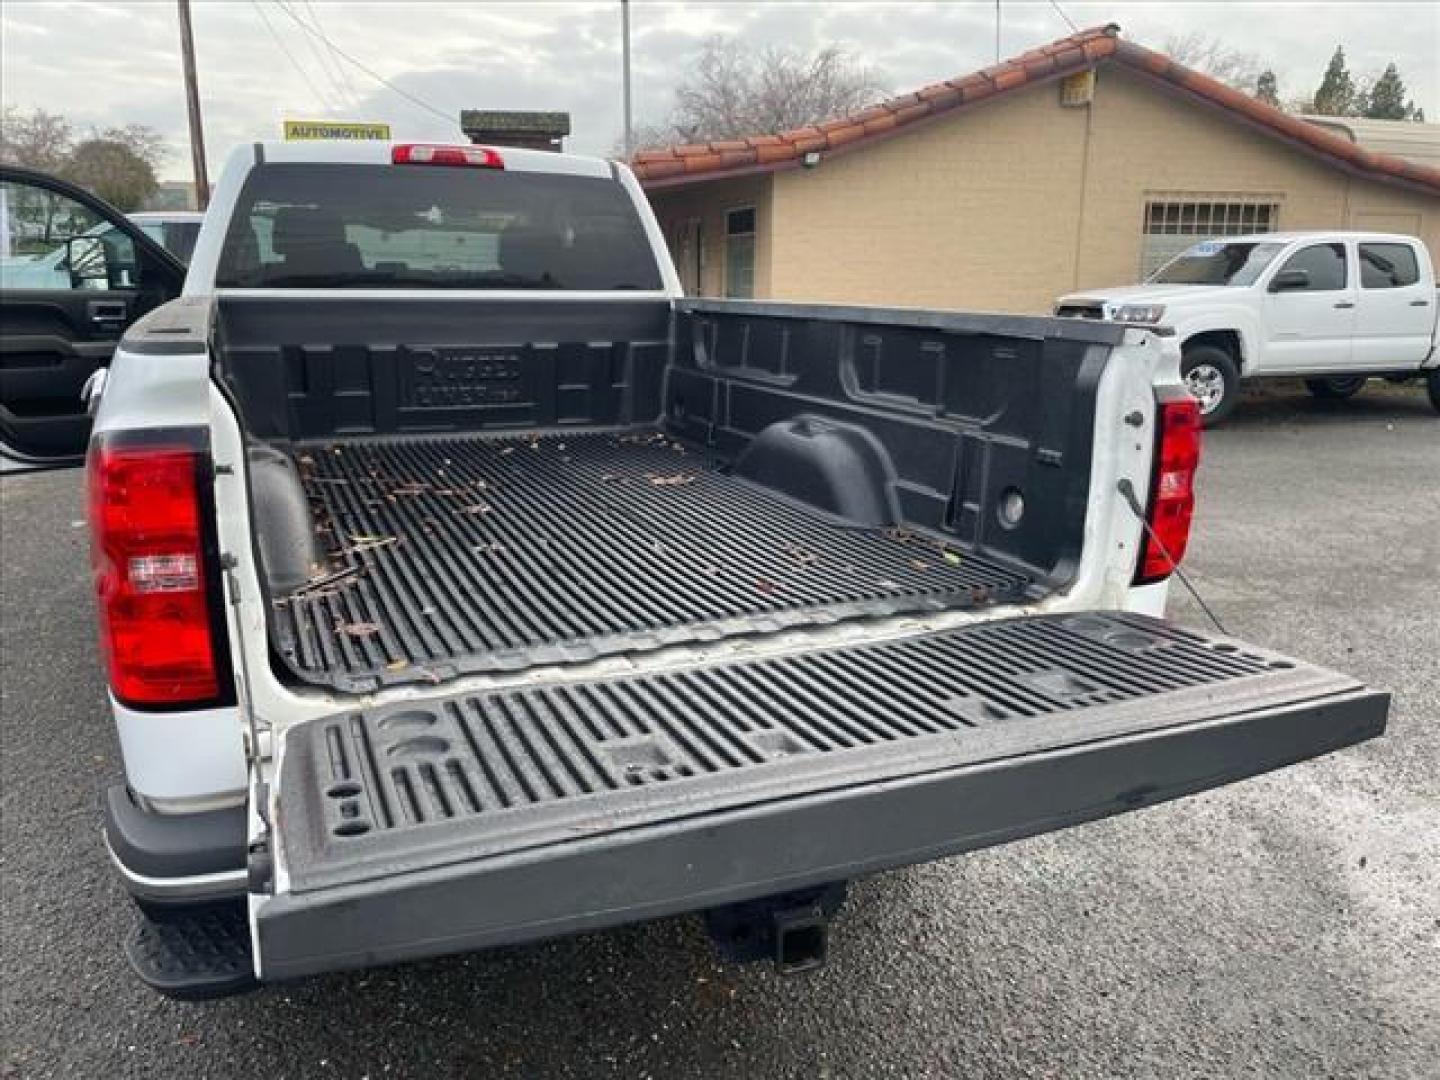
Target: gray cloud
{"type": "Point", "coordinates": [113, 63]}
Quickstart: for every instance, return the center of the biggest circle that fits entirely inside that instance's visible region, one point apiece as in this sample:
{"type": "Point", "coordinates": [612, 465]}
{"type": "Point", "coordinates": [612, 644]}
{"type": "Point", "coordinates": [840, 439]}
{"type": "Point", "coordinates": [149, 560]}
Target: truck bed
{"type": "Point", "coordinates": [441, 489]}
{"type": "Point", "coordinates": [454, 555]}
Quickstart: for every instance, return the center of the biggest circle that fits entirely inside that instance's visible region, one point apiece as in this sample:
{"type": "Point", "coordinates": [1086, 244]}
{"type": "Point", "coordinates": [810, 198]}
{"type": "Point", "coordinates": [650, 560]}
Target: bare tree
{"type": "Point", "coordinates": [735, 91]}
{"type": "Point", "coordinates": [118, 163]}
{"type": "Point", "coordinates": [143, 141]}
{"type": "Point", "coordinates": [39, 140]}
{"type": "Point", "coordinates": [1213, 57]}
{"type": "Point", "coordinates": [112, 170]}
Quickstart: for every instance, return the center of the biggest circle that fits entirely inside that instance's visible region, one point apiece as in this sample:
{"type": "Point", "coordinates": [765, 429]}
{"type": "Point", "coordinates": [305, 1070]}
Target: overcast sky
{"type": "Point", "coordinates": [118, 62]}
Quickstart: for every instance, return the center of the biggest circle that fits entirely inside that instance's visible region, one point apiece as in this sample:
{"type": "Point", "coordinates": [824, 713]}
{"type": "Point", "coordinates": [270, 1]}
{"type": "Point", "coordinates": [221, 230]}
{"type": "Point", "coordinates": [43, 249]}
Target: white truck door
{"type": "Point", "coordinates": [1394, 310]}
{"type": "Point", "coordinates": [1310, 312]}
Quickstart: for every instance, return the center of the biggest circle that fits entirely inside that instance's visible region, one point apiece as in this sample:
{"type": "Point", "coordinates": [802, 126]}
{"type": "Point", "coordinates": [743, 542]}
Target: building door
{"type": "Point", "coordinates": [687, 249]}
{"type": "Point", "coordinates": [740, 253]}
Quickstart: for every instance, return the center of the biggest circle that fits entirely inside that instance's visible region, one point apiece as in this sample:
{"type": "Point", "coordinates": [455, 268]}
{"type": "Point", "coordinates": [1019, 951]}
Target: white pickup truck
{"type": "Point", "coordinates": [461, 583]}
{"type": "Point", "coordinates": [1336, 308]}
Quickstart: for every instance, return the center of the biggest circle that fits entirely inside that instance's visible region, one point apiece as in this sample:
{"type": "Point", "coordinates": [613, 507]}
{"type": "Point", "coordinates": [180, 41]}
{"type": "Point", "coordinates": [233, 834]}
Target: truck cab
{"type": "Point", "coordinates": [1333, 308]}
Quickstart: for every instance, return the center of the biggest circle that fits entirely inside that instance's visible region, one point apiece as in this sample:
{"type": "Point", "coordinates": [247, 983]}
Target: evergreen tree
{"type": "Point", "coordinates": [1336, 96]}
{"type": "Point", "coordinates": [1386, 100]}
{"type": "Point", "coordinates": [1267, 88]}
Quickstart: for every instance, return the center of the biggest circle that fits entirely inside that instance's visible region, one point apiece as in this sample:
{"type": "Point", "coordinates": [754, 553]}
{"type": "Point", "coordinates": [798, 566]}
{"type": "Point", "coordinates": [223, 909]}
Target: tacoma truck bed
{"type": "Point", "coordinates": [457, 555]}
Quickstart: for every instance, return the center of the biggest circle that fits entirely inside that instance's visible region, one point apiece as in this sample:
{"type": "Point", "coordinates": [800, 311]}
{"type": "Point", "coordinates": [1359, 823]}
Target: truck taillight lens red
{"type": "Point", "coordinates": [476, 157]}
{"type": "Point", "coordinates": [1172, 490]}
{"type": "Point", "coordinates": [153, 583]}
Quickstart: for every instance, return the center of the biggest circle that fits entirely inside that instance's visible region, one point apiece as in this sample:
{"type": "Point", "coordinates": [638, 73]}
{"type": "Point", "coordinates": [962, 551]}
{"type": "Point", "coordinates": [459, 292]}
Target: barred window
{"type": "Point", "coordinates": [1174, 224]}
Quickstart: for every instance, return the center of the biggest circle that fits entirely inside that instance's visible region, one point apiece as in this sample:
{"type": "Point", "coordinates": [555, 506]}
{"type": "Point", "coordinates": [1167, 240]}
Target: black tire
{"type": "Point", "coordinates": [1211, 376]}
{"type": "Point", "coordinates": [1432, 387]}
{"type": "Point", "coordinates": [1335, 389]}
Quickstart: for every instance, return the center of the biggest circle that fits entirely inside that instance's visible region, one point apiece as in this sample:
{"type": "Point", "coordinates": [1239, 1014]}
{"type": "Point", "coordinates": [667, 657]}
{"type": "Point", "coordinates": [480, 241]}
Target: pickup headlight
{"type": "Point", "coordinates": [1144, 313]}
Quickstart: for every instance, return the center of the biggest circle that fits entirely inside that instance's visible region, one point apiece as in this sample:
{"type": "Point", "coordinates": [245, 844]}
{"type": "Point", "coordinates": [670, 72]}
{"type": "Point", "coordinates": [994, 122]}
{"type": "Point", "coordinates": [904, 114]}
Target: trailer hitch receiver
{"type": "Point", "coordinates": [792, 929]}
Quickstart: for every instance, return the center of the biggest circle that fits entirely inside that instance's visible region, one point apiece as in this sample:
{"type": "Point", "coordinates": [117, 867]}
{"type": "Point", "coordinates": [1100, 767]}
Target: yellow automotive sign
{"type": "Point", "coordinates": [298, 130]}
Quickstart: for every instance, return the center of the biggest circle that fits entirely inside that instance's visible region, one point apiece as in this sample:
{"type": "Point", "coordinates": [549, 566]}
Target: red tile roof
{"type": "Point", "coordinates": [676, 165]}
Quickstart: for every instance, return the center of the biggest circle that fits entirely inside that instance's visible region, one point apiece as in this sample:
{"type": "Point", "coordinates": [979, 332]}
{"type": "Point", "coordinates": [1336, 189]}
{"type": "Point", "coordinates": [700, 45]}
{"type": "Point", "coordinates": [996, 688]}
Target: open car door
{"type": "Point", "coordinates": [74, 274]}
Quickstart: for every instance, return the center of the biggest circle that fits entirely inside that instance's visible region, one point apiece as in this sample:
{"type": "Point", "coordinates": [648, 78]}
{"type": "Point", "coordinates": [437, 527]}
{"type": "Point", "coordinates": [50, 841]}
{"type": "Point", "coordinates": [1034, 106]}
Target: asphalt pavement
{"type": "Point", "coordinates": [1286, 926]}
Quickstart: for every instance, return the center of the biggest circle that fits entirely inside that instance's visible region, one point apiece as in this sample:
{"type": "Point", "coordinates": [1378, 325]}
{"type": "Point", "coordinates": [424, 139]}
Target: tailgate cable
{"type": "Point", "coordinates": [1127, 489]}
{"type": "Point", "coordinates": [259, 864]}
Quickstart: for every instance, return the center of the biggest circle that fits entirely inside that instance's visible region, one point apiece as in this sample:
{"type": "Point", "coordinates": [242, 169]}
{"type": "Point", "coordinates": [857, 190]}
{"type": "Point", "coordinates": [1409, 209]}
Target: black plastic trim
{"type": "Point", "coordinates": [171, 846]}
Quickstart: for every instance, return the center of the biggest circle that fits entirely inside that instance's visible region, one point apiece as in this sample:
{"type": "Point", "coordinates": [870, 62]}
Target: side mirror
{"type": "Point", "coordinates": [88, 261]}
{"type": "Point", "coordinates": [1287, 280]}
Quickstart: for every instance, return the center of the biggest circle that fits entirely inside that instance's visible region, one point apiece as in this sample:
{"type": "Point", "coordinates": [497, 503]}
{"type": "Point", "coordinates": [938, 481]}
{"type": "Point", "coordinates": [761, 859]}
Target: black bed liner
{"type": "Point", "coordinates": [478, 820]}
{"type": "Point", "coordinates": [455, 555]}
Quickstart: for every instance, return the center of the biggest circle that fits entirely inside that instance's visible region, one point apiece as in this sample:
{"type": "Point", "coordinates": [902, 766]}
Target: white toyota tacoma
{"type": "Point", "coordinates": [1335, 308]}
{"type": "Point", "coordinates": [461, 583]}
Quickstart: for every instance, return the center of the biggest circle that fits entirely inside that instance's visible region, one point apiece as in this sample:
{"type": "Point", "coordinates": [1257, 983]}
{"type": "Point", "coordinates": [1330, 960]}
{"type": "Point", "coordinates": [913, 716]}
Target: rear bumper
{"type": "Point", "coordinates": [707, 859]}
{"type": "Point", "coordinates": [175, 858]}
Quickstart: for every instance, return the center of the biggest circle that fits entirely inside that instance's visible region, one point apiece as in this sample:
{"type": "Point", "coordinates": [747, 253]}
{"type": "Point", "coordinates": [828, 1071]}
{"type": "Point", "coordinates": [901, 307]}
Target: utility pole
{"type": "Point", "coordinates": [997, 31]}
{"type": "Point", "coordinates": [192, 103]}
{"type": "Point", "coordinates": [625, 63]}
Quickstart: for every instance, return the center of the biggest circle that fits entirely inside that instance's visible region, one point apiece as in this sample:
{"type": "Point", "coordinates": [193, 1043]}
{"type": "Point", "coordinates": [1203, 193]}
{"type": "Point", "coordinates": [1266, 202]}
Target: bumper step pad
{"type": "Point", "coordinates": [453, 556]}
{"type": "Point", "coordinates": [195, 956]}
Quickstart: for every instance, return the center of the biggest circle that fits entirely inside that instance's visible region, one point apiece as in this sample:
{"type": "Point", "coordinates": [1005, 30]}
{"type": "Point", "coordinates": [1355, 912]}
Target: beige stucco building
{"type": "Point", "coordinates": [1085, 163]}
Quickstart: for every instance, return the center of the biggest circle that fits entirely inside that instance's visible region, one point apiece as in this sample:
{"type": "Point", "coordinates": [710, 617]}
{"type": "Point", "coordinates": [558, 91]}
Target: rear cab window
{"type": "Point", "coordinates": [384, 226]}
{"type": "Point", "coordinates": [1388, 266]}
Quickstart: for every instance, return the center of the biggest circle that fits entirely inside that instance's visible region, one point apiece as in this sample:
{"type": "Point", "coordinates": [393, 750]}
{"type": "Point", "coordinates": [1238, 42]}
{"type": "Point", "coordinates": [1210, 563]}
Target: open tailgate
{"type": "Point", "coordinates": [523, 813]}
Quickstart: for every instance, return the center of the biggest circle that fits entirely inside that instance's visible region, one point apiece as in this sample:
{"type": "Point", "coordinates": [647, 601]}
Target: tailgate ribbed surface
{"type": "Point", "coordinates": [459, 555]}
{"type": "Point", "coordinates": [485, 774]}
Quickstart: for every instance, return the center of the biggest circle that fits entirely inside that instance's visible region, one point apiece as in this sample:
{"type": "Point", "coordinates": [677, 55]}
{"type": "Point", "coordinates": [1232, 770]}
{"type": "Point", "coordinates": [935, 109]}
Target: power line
{"type": "Point", "coordinates": [340, 68]}
{"type": "Point", "coordinates": [447, 117]}
{"type": "Point", "coordinates": [1068, 21]}
{"type": "Point", "coordinates": [320, 55]}
{"type": "Point", "coordinates": [322, 98]}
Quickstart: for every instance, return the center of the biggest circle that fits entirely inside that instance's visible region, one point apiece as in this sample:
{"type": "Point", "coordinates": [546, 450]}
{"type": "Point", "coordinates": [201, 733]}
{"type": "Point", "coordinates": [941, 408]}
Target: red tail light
{"type": "Point", "coordinates": [1172, 490]}
{"type": "Point", "coordinates": [153, 576]}
{"type": "Point", "coordinates": [479, 157]}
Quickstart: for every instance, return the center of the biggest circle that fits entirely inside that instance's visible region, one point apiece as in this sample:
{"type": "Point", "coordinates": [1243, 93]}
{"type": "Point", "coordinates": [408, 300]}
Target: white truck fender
{"type": "Point", "coordinates": [1232, 319]}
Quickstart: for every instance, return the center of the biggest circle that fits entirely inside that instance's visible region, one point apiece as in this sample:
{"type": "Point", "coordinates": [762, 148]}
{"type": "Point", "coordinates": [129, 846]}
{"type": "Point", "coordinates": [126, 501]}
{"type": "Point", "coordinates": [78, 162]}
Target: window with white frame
{"type": "Point", "coordinates": [740, 253]}
{"type": "Point", "coordinates": [1174, 222]}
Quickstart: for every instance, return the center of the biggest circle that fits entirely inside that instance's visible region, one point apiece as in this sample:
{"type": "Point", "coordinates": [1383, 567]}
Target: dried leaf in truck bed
{"type": "Point", "coordinates": [801, 554]}
{"type": "Point", "coordinates": [952, 558]}
{"type": "Point", "coordinates": [670, 479]}
{"type": "Point", "coordinates": [919, 565]}
{"type": "Point", "coordinates": [766, 586]}
{"type": "Point", "coordinates": [477, 508]}
{"type": "Point", "coordinates": [358, 629]}
{"type": "Point", "coordinates": [397, 665]}
{"type": "Point", "coordinates": [611, 478]}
